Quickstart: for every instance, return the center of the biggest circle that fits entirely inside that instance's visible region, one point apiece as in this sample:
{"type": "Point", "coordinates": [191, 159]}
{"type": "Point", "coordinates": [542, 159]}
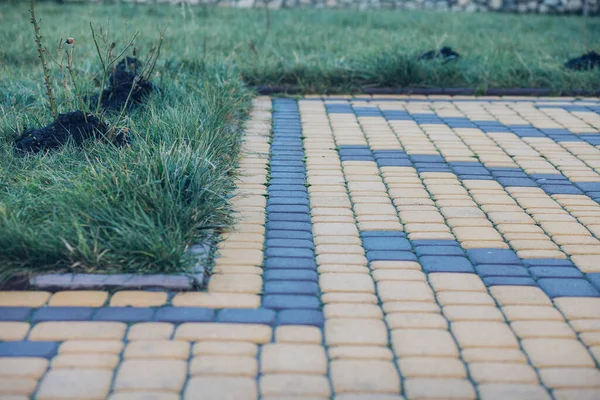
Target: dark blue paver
{"type": "Point", "coordinates": [26, 348]}
{"type": "Point", "coordinates": [14, 313]}
{"type": "Point", "coordinates": [568, 287]}
{"type": "Point", "coordinates": [184, 314]}
{"type": "Point", "coordinates": [124, 314]}
{"type": "Point", "coordinates": [247, 316]}
{"type": "Point", "coordinates": [63, 314]}
{"type": "Point", "coordinates": [301, 317]}
{"type": "Point", "coordinates": [446, 264]}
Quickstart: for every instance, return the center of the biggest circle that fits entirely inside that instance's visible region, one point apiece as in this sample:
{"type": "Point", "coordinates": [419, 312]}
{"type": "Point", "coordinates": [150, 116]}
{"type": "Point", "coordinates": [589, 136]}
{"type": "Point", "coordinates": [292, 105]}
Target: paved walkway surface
{"type": "Point", "coordinates": [409, 247]}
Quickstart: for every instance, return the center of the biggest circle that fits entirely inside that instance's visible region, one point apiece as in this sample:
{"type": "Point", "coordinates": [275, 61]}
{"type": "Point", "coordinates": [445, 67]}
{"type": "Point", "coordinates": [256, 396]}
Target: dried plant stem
{"type": "Point", "coordinates": [148, 72]}
{"type": "Point", "coordinates": [38, 40]}
{"type": "Point", "coordinates": [72, 75]}
{"type": "Point", "coordinates": [65, 80]}
{"type": "Point", "coordinates": [107, 62]}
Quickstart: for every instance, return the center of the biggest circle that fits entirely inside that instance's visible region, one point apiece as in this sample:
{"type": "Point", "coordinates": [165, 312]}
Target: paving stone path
{"type": "Point", "coordinates": [408, 248]}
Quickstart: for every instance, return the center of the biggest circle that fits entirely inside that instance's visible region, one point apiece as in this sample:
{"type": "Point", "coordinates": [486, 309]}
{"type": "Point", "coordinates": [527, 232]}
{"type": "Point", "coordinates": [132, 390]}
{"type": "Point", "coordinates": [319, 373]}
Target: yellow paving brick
{"type": "Point", "coordinates": [414, 367]}
{"type": "Point", "coordinates": [364, 298]}
{"type": "Point", "coordinates": [579, 307]}
{"type": "Point", "coordinates": [442, 281]}
{"type": "Point", "coordinates": [586, 263]}
{"type": "Point", "coordinates": [425, 227]}
{"type": "Point", "coordinates": [540, 329]}
{"type": "Point", "coordinates": [150, 331]}
{"type": "Point", "coordinates": [395, 265]}
{"type": "Point", "coordinates": [223, 348]}
{"type": "Point", "coordinates": [465, 298]}
{"type": "Point", "coordinates": [482, 244]}
{"type": "Point", "coordinates": [339, 249]}
{"type": "Point", "coordinates": [434, 388]}
{"type": "Point", "coordinates": [528, 313]}
{"type": "Point", "coordinates": [483, 334]}
{"type": "Point", "coordinates": [563, 228]}
{"type": "Point", "coordinates": [346, 283]}
{"type": "Point", "coordinates": [23, 298]}
{"type": "Point", "coordinates": [364, 376]}
{"type": "Point", "coordinates": [360, 353]}
{"type": "Point", "coordinates": [345, 331]}
{"type": "Point", "coordinates": [381, 226]}
{"type": "Point", "coordinates": [411, 307]}
{"type": "Point", "coordinates": [585, 325]}
{"type": "Point", "coordinates": [13, 330]}
{"type": "Point", "coordinates": [17, 386]}
{"type": "Point", "coordinates": [362, 396]}
{"type": "Point", "coordinates": [321, 229]}
{"type": "Point", "coordinates": [565, 353]}
{"type": "Point", "coordinates": [254, 333]}
{"type": "Point", "coordinates": [216, 300]}
{"type": "Point", "coordinates": [79, 298]}
{"type": "Point", "coordinates": [91, 347]}
{"type": "Point", "coordinates": [513, 391]}
{"type": "Point", "coordinates": [476, 234]}
{"type": "Point", "coordinates": [431, 235]}
{"type": "Point", "coordinates": [13, 396]}
{"type": "Point", "coordinates": [557, 254]}
{"type": "Point", "coordinates": [570, 377]}
{"type": "Point", "coordinates": [519, 295]}
{"type": "Point", "coordinates": [488, 354]}
{"type": "Point", "coordinates": [347, 259]}
{"type": "Point", "coordinates": [221, 388]}
{"type": "Point", "coordinates": [294, 384]}
{"type": "Point", "coordinates": [80, 383]}
{"type": "Point", "coordinates": [84, 330]}
{"type": "Point", "coordinates": [350, 310]}
{"type": "Point", "coordinates": [22, 367]}
{"type": "Point", "coordinates": [298, 334]}
{"type": "Point", "coordinates": [293, 358]}
{"type": "Point", "coordinates": [82, 360]}
{"type": "Point", "coordinates": [138, 298]}
{"type": "Point", "coordinates": [416, 321]}
{"type": "Point", "coordinates": [579, 394]}
{"type": "Point", "coordinates": [157, 375]}
{"type": "Point", "coordinates": [339, 269]}
{"type": "Point", "coordinates": [404, 291]}
{"type": "Point", "coordinates": [398, 275]}
{"type": "Point", "coordinates": [143, 396]}
{"type": "Point", "coordinates": [590, 338]}
{"type": "Point", "coordinates": [472, 313]}
{"type": "Point", "coordinates": [154, 349]}
{"type": "Point", "coordinates": [240, 257]}
{"type": "Point", "coordinates": [235, 283]}
{"type": "Point", "coordinates": [233, 365]}
{"type": "Point", "coordinates": [495, 372]}
{"type": "Point", "coordinates": [423, 343]}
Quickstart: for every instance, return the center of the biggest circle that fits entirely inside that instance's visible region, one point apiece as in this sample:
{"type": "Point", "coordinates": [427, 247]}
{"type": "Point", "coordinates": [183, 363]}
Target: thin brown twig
{"type": "Point", "coordinates": [38, 40]}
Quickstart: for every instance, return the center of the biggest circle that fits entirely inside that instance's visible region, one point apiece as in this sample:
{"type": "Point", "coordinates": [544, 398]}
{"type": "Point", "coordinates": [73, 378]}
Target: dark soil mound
{"type": "Point", "coordinates": [70, 126]}
{"type": "Point", "coordinates": [120, 83]}
{"type": "Point", "coordinates": [445, 53]}
{"type": "Point", "coordinates": [585, 62]}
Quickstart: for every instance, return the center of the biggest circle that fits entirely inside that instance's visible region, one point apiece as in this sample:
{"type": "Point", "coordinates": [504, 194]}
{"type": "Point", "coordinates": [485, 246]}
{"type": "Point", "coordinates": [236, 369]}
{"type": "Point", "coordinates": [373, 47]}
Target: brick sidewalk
{"type": "Point", "coordinates": [409, 247]}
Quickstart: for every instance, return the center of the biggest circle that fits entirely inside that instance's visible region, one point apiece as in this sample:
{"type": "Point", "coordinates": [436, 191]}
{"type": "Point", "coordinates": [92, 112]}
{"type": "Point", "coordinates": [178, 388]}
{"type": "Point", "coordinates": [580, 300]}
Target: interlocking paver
{"type": "Point", "coordinates": [384, 248]}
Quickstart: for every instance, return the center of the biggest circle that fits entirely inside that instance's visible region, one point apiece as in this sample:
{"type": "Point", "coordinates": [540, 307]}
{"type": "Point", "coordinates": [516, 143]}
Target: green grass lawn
{"type": "Point", "coordinates": [136, 208]}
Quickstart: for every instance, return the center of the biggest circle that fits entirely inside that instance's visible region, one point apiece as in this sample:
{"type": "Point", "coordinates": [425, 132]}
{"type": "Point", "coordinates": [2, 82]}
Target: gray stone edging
{"type": "Point", "coordinates": [196, 279]}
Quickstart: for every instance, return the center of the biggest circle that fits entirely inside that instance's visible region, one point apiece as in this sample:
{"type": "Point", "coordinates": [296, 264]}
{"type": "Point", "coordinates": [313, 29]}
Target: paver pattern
{"type": "Point", "coordinates": [387, 247]}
